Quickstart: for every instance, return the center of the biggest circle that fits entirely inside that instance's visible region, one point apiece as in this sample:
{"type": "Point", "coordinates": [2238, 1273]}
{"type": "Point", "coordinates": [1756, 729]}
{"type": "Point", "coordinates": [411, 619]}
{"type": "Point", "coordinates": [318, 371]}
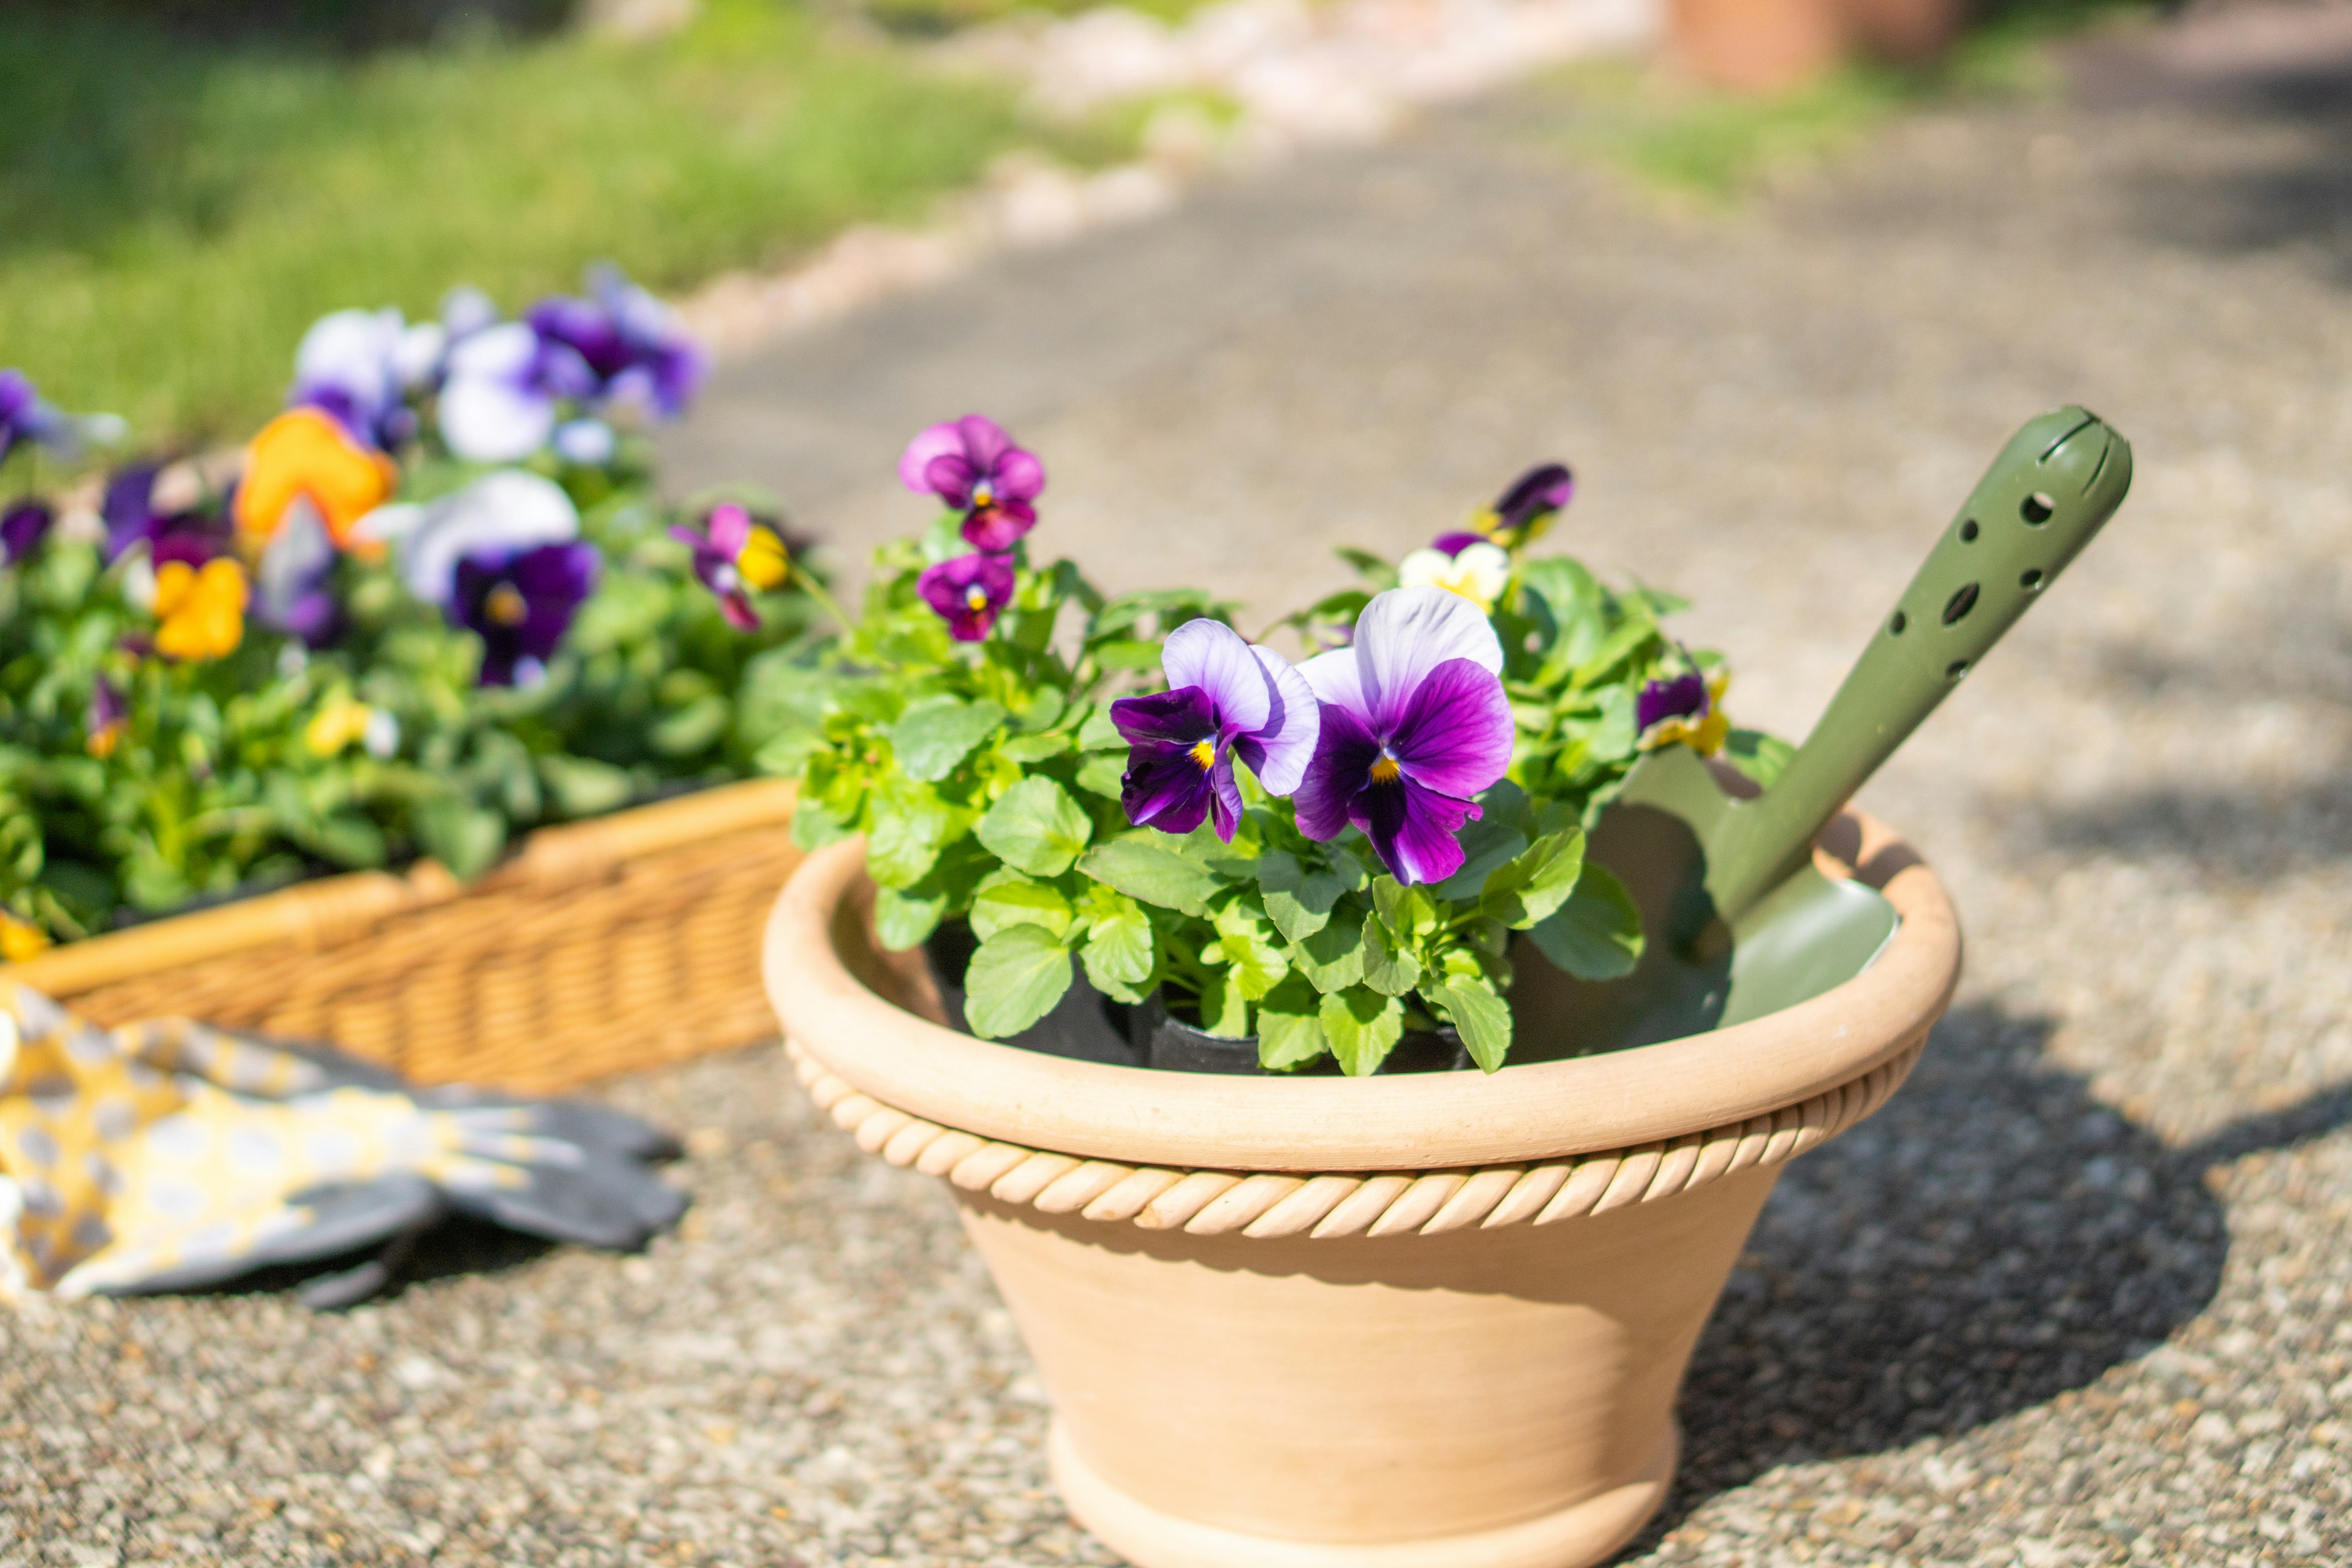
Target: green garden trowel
{"type": "Point", "coordinates": [1739, 920]}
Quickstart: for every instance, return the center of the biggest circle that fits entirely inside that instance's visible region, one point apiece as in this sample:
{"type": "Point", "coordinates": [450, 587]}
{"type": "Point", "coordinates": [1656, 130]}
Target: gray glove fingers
{"type": "Point", "coordinates": [343, 1219]}
{"type": "Point", "coordinates": [600, 1203]}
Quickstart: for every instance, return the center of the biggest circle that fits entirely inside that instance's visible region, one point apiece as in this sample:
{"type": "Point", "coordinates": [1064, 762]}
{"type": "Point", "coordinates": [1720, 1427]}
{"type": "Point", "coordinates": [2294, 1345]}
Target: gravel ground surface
{"type": "Point", "coordinates": [2079, 1296]}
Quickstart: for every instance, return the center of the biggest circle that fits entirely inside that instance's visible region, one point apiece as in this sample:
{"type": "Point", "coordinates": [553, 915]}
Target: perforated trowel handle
{"type": "Point", "coordinates": [2056, 482]}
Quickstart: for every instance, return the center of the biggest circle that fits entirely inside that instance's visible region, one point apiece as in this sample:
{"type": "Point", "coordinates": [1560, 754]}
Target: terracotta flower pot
{"type": "Point", "coordinates": [1426, 1320]}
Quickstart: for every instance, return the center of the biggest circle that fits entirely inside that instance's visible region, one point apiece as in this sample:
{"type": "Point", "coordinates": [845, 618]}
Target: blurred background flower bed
{"type": "Point", "coordinates": [435, 602]}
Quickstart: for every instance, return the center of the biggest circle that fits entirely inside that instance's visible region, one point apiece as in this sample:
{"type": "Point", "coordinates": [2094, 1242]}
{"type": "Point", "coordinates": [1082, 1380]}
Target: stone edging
{"type": "Point", "coordinates": [1268, 1204]}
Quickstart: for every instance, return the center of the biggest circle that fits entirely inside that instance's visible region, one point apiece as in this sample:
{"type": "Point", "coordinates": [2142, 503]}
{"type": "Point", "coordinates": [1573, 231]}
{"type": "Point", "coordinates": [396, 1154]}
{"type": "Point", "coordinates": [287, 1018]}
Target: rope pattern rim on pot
{"type": "Point", "coordinates": [1268, 1204]}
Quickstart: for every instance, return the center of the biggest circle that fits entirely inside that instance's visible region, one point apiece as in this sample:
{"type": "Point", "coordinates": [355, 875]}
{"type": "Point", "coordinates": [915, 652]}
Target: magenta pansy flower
{"type": "Point", "coordinates": [969, 592]}
{"type": "Point", "coordinates": [736, 555]}
{"type": "Point", "coordinates": [973, 466]}
{"type": "Point", "coordinates": [1225, 699]}
{"type": "Point", "coordinates": [1415, 726]}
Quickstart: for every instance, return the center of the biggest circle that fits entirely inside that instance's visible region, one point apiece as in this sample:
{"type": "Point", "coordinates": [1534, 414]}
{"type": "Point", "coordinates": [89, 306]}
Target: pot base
{"type": "Point", "coordinates": [1588, 1532]}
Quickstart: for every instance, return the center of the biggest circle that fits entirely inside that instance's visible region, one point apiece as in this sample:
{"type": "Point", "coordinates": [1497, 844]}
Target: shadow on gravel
{"type": "Point", "coordinates": [2236, 837]}
{"type": "Point", "coordinates": [1992, 1238]}
{"type": "Point", "coordinates": [2275, 82]}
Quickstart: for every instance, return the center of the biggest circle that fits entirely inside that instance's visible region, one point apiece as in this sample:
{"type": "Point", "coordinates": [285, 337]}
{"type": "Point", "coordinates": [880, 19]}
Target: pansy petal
{"type": "Point", "coordinates": [1344, 754]}
{"type": "Point", "coordinates": [1179, 717]}
{"type": "Point", "coordinates": [1224, 797]}
{"type": "Point", "coordinates": [1214, 657]}
{"type": "Point", "coordinates": [999, 526]}
{"type": "Point", "coordinates": [731, 529]}
{"type": "Point", "coordinates": [935, 441]}
{"type": "Point", "coordinates": [490, 419]}
{"type": "Point", "coordinates": [1280, 749]}
{"type": "Point", "coordinates": [1405, 632]}
{"type": "Point", "coordinates": [1683, 697]}
{"type": "Point", "coordinates": [950, 475]}
{"type": "Point", "coordinates": [1164, 788]}
{"type": "Point", "coordinates": [1455, 736]}
{"type": "Point", "coordinates": [1019, 475]}
{"type": "Point", "coordinates": [983, 439]}
{"type": "Point", "coordinates": [1337, 682]}
{"type": "Point", "coordinates": [1414, 830]}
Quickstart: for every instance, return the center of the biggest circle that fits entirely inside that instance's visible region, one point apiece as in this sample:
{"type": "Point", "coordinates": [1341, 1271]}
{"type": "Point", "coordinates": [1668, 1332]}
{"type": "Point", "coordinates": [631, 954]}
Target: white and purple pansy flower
{"type": "Point", "coordinates": [360, 366]}
{"type": "Point", "coordinates": [521, 604]}
{"type": "Point", "coordinates": [26, 417]}
{"type": "Point", "coordinates": [501, 513]}
{"type": "Point", "coordinates": [1226, 699]}
{"type": "Point", "coordinates": [969, 592]}
{"type": "Point", "coordinates": [504, 392]}
{"type": "Point", "coordinates": [1415, 727]}
{"type": "Point", "coordinates": [972, 465]}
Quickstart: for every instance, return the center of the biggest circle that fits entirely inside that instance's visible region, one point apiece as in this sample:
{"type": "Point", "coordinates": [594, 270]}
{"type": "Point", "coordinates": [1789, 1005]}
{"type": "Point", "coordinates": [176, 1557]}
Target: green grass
{"type": "Point", "coordinates": [173, 212]}
{"type": "Point", "coordinates": [1714, 148]}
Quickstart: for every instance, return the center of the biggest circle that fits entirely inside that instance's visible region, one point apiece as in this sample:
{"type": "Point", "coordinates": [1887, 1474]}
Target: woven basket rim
{"type": "Point", "coordinates": [822, 969]}
{"type": "Point", "coordinates": [326, 912]}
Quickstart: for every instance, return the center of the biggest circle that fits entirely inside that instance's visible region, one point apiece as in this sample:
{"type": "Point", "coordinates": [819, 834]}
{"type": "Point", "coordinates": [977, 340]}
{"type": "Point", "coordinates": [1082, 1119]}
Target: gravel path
{"type": "Point", "coordinates": [2109, 1323]}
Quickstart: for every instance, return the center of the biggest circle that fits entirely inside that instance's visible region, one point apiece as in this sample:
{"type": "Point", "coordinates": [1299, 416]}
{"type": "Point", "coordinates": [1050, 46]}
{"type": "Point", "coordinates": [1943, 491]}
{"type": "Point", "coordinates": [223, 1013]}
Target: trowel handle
{"type": "Point", "coordinates": [2056, 482]}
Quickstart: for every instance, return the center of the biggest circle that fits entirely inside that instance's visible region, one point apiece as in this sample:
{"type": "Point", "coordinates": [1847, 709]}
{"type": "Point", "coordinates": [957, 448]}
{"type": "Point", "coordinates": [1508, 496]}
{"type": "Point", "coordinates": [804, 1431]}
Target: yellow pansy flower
{"type": "Point", "coordinates": [200, 613]}
{"type": "Point", "coordinates": [20, 940]}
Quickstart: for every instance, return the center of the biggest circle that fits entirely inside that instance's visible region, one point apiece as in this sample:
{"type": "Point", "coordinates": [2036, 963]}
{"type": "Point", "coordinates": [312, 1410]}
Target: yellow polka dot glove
{"type": "Point", "coordinates": [167, 1155]}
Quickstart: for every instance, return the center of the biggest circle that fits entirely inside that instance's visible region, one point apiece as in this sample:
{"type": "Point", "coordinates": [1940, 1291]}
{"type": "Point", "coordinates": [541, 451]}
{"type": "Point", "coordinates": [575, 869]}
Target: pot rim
{"type": "Point", "coordinates": [823, 969]}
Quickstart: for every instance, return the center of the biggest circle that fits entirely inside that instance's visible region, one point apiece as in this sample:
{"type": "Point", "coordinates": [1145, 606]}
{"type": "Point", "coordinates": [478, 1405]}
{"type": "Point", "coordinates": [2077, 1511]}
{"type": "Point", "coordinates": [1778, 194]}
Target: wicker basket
{"type": "Point", "coordinates": [601, 947]}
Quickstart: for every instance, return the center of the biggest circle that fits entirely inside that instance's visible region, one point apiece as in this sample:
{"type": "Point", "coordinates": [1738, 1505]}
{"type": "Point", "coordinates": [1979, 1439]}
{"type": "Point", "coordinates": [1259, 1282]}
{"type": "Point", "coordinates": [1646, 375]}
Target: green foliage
{"type": "Point", "coordinates": [179, 204]}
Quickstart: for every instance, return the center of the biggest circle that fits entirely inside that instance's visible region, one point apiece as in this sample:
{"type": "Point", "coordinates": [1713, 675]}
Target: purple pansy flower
{"type": "Point", "coordinates": [1527, 507]}
{"type": "Point", "coordinates": [21, 528]}
{"type": "Point", "coordinates": [25, 417]}
{"type": "Point", "coordinates": [969, 592]}
{"type": "Point", "coordinates": [1683, 697]}
{"type": "Point", "coordinates": [129, 509]}
{"type": "Point", "coordinates": [292, 584]}
{"type": "Point", "coordinates": [973, 466]}
{"type": "Point", "coordinates": [522, 605]}
{"type": "Point", "coordinates": [1226, 697]}
{"type": "Point", "coordinates": [634, 343]}
{"type": "Point", "coordinates": [1415, 725]}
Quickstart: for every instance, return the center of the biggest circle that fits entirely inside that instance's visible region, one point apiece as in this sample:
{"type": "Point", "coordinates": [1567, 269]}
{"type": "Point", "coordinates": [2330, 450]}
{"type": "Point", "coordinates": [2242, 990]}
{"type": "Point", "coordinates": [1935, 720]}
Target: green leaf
{"type": "Point", "coordinates": [461, 836]}
{"type": "Point", "coordinates": [1014, 980]}
{"type": "Point", "coordinates": [1119, 950]}
{"type": "Point", "coordinates": [1758, 755]}
{"type": "Point", "coordinates": [1299, 900]}
{"type": "Point", "coordinates": [693, 727]}
{"type": "Point", "coordinates": [814, 826]}
{"type": "Point", "coordinates": [1409, 911]}
{"type": "Point", "coordinates": [936, 733]}
{"type": "Point", "coordinates": [1597, 934]}
{"type": "Point", "coordinates": [1008, 899]}
{"type": "Point", "coordinates": [1374, 569]}
{"type": "Point", "coordinates": [1034, 748]}
{"type": "Point", "coordinates": [1481, 1018]}
{"type": "Point", "coordinates": [1128, 654]}
{"type": "Point", "coordinates": [902, 919]}
{"type": "Point", "coordinates": [1226, 1011]}
{"type": "Point", "coordinates": [1247, 945]}
{"type": "Point", "coordinates": [1332, 959]}
{"type": "Point", "coordinates": [1289, 1027]}
{"type": "Point", "coordinates": [1100, 735]}
{"type": "Point", "coordinates": [1387, 969]}
{"type": "Point", "coordinates": [908, 823]}
{"type": "Point", "coordinates": [1142, 869]}
{"type": "Point", "coordinates": [1530, 886]}
{"type": "Point", "coordinates": [585, 788]}
{"type": "Point", "coordinates": [1361, 1028]}
{"type": "Point", "coordinates": [1103, 775]}
{"type": "Point", "coordinates": [1036, 827]}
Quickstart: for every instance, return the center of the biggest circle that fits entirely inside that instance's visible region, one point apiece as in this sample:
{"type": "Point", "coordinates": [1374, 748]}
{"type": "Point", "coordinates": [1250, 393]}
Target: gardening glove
{"type": "Point", "coordinates": [166, 1155]}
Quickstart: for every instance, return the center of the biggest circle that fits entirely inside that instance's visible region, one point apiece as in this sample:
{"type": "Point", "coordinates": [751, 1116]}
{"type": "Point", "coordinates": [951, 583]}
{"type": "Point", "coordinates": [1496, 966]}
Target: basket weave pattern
{"type": "Point", "coordinates": [602, 947]}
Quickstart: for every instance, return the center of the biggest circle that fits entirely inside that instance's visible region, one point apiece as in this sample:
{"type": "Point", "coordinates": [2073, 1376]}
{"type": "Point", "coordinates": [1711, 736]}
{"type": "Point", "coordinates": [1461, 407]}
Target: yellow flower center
{"type": "Point", "coordinates": [983, 493]}
{"type": "Point", "coordinates": [506, 606]}
{"type": "Point", "coordinates": [763, 560]}
{"type": "Point", "coordinates": [1204, 753]}
{"type": "Point", "coordinates": [1385, 769]}
{"type": "Point", "coordinates": [976, 598]}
